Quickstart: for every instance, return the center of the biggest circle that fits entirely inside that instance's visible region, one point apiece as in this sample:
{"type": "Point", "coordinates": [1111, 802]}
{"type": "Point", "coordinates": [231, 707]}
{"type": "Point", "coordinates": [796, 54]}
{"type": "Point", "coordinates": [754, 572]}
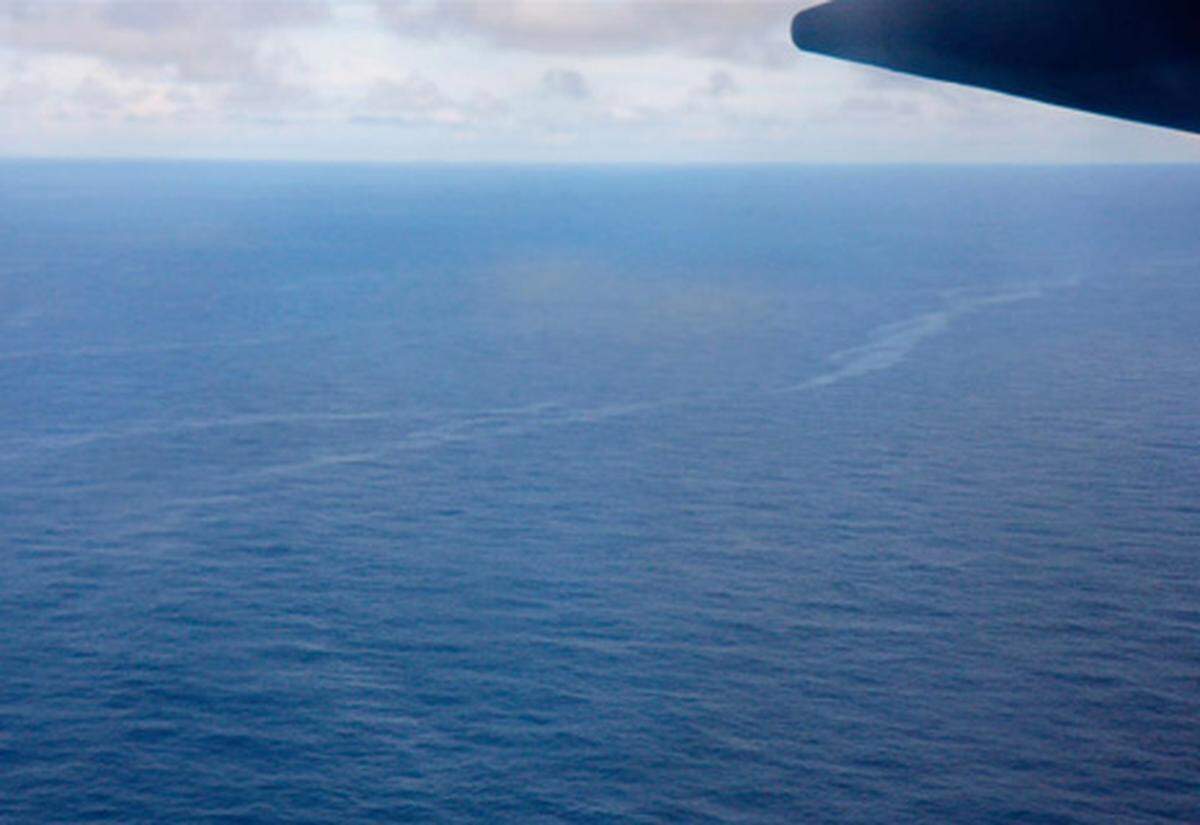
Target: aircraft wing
{"type": "Point", "coordinates": [1132, 59]}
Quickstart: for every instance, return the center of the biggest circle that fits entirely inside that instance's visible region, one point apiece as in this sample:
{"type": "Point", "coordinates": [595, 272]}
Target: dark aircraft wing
{"type": "Point", "coordinates": [1132, 59]}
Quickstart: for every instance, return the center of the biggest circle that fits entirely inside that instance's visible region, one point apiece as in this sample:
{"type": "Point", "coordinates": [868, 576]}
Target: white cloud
{"type": "Point", "coordinates": [200, 41]}
{"type": "Point", "coordinates": [720, 84]}
{"type": "Point", "coordinates": [744, 30]}
{"type": "Point", "coordinates": [413, 93]}
{"type": "Point", "coordinates": [580, 80]}
{"type": "Point", "coordinates": [416, 101]}
{"type": "Point", "coordinates": [566, 83]}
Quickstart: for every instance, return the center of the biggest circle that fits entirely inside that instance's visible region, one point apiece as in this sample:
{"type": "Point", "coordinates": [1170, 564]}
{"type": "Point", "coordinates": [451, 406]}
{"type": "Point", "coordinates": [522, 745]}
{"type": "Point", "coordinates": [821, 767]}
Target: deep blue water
{"type": "Point", "coordinates": [353, 494]}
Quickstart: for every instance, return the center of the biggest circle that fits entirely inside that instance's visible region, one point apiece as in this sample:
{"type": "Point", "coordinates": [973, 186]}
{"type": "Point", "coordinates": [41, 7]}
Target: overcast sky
{"type": "Point", "coordinates": [495, 80]}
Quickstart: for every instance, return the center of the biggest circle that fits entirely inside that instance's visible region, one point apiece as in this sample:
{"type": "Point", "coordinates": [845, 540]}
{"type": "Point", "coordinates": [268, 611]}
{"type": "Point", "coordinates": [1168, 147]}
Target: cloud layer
{"type": "Point", "coordinates": [563, 80]}
{"type": "Point", "coordinates": [732, 29]}
{"type": "Point", "coordinates": [194, 41]}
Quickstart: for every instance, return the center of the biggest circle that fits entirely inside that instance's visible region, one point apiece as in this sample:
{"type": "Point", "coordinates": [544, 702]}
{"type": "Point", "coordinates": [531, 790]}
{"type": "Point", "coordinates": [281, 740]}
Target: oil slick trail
{"type": "Point", "coordinates": [118, 351]}
{"type": "Point", "coordinates": [886, 347]}
{"type": "Point", "coordinates": [510, 422]}
{"type": "Point", "coordinates": [892, 343]}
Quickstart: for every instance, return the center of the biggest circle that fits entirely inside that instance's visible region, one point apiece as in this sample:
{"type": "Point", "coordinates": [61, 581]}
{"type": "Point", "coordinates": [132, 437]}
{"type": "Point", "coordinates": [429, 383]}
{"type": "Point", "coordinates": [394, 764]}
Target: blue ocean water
{"type": "Point", "coordinates": [372, 494]}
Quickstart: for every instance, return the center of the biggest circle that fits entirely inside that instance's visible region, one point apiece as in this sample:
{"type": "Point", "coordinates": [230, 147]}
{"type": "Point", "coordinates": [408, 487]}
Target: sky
{"type": "Point", "coordinates": [541, 81]}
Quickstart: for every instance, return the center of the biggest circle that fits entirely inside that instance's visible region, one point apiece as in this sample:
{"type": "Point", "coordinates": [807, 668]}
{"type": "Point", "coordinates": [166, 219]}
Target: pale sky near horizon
{"type": "Point", "coordinates": [497, 81]}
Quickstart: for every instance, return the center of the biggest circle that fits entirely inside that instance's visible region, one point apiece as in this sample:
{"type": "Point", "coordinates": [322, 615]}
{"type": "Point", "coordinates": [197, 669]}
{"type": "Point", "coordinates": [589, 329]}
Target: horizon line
{"type": "Point", "coordinates": [567, 164]}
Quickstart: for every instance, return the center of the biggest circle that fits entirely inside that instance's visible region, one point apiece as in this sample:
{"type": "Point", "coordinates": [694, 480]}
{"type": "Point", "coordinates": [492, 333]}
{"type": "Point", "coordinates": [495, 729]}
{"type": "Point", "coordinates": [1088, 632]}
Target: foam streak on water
{"type": "Point", "coordinates": [888, 345]}
{"type": "Point", "coordinates": [891, 343]}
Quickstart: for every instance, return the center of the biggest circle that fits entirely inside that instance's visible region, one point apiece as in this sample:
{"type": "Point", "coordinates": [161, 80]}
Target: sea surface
{"type": "Point", "coordinates": [631, 494]}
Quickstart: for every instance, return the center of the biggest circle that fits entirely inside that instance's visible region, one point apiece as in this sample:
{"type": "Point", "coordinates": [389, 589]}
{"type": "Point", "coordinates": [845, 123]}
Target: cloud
{"type": "Point", "coordinates": [201, 41]}
{"type": "Point", "coordinates": [566, 83]}
{"type": "Point", "coordinates": [157, 60]}
{"type": "Point", "coordinates": [720, 84]}
{"type": "Point", "coordinates": [417, 101]}
{"type": "Point", "coordinates": [408, 101]}
{"type": "Point", "coordinates": [483, 79]}
{"type": "Point", "coordinates": [741, 30]}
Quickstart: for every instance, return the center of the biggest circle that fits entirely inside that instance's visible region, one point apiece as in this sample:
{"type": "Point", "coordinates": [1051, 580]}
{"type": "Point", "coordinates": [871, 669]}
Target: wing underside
{"type": "Point", "coordinates": [1133, 59]}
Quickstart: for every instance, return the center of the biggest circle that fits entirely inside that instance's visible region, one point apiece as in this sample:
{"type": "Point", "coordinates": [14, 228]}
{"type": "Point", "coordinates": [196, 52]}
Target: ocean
{"type": "Point", "coordinates": [614, 494]}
